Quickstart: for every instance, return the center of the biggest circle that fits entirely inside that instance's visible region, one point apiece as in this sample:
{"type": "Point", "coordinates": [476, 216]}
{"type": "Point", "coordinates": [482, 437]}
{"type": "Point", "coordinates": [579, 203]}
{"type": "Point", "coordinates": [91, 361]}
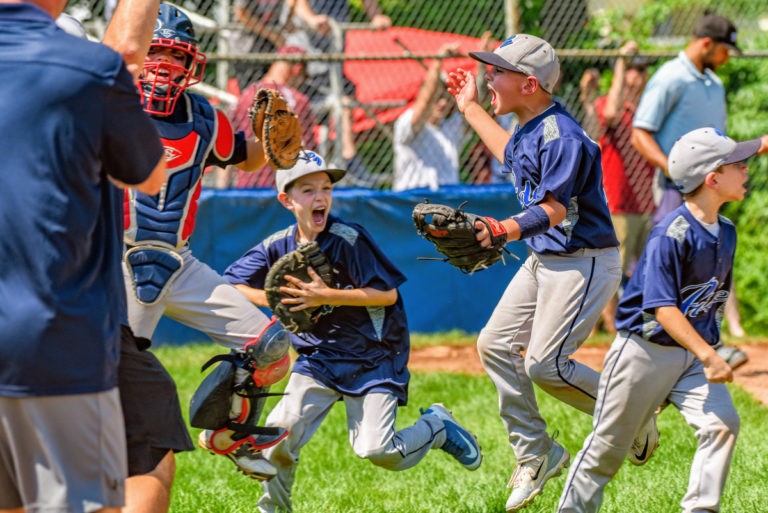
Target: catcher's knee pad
{"type": "Point", "coordinates": [232, 396]}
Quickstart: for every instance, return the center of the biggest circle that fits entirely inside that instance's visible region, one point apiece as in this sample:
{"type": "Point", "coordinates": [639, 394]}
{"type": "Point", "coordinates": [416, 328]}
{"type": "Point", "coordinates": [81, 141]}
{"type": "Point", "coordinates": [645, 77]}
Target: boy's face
{"type": "Point", "coordinates": [732, 181]}
{"type": "Point", "coordinates": [506, 88]}
{"type": "Point", "coordinates": [310, 199]}
{"type": "Point", "coordinates": [174, 60]}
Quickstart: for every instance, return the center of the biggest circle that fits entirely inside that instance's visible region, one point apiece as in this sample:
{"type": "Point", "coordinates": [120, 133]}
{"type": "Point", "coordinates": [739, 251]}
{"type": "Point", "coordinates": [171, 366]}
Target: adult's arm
{"type": "Point", "coordinates": [129, 32]}
{"type": "Point", "coordinates": [647, 146]}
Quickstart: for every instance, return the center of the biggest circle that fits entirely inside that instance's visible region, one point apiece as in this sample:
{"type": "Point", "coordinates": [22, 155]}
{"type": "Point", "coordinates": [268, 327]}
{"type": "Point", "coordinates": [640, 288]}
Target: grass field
{"type": "Point", "coordinates": [332, 479]}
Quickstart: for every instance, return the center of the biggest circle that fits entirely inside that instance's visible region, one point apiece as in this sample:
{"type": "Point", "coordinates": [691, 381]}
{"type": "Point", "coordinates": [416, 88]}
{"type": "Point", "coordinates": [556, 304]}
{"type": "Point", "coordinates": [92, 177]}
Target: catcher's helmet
{"type": "Point", "coordinates": [162, 81]}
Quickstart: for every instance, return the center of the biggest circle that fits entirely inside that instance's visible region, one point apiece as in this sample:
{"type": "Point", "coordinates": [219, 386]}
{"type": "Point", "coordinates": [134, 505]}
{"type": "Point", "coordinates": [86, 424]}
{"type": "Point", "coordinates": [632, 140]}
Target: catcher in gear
{"type": "Point", "coordinates": [164, 278]}
{"type": "Point", "coordinates": [455, 233]}
{"type": "Point", "coordinates": [357, 351]}
{"type": "Point", "coordinates": [278, 127]}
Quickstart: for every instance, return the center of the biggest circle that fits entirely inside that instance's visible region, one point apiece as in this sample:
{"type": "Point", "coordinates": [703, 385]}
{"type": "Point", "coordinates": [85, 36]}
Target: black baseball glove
{"type": "Point", "coordinates": [453, 231]}
{"type": "Point", "coordinates": [297, 264]}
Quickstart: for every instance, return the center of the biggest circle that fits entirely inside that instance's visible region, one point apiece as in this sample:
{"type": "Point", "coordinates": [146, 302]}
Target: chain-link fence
{"type": "Point", "coordinates": [347, 75]}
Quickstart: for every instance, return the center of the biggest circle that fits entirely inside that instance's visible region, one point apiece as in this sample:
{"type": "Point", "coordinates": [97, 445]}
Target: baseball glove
{"type": "Point", "coordinates": [296, 264]}
{"type": "Point", "coordinates": [273, 121]}
{"type": "Point", "coordinates": [452, 231]}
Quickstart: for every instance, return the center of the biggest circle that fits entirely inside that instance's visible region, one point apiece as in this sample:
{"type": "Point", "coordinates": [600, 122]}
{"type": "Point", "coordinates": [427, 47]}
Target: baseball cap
{"type": "Point", "coordinates": [719, 29]}
{"type": "Point", "coordinates": [701, 151]}
{"type": "Point", "coordinates": [525, 54]}
{"type": "Point", "coordinates": [309, 162]}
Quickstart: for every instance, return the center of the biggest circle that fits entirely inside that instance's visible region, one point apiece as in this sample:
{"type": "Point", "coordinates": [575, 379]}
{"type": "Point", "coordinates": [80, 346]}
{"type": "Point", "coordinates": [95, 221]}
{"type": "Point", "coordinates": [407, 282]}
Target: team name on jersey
{"type": "Point", "coordinates": [699, 299]}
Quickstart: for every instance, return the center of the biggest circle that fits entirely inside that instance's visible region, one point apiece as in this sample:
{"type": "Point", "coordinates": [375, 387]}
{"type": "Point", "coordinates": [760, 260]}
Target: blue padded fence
{"type": "Point", "coordinates": [437, 296]}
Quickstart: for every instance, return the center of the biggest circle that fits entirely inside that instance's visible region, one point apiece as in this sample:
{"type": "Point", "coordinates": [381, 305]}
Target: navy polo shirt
{"type": "Point", "coordinates": [70, 119]}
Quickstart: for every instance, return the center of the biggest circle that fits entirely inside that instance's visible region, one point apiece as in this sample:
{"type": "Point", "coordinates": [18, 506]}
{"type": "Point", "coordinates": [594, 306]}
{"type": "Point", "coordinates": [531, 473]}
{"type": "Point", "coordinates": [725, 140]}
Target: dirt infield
{"type": "Point", "coordinates": [753, 376]}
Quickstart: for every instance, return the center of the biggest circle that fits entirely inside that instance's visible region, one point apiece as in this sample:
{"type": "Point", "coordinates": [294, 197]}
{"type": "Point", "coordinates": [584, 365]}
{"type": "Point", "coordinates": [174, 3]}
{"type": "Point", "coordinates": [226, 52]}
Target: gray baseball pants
{"type": "Point", "coordinates": [371, 427]}
{"type": "Point", "coordinates": [544, 315]}
{"type": "Point", "coordinates": [637, 377]}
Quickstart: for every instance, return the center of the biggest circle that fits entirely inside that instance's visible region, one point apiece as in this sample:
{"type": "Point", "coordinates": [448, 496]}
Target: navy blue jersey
{"type": "Point", "coordinates": [683, 265]}
{"type": "Point", "coordinates": [552, 154]}
{"type": "Point", "coordinates": [71, 117]}
{"type": "Point", "coordinates": [353, 350]}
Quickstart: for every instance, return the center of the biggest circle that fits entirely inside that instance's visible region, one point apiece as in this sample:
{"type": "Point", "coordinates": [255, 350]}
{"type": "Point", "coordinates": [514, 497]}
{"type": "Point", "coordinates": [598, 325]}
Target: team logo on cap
{"type": "Point", "coordinates": [311, 156]}
{"type": "Point", "coordinates": [508, 41]}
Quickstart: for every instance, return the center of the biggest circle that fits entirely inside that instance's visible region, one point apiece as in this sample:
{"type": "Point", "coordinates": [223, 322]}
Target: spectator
{"type": "Point", "coordinates": [258, 30]}
{"type": "Point", "coordinates": [627, 176]}
{"type": "Point", "coordinates": [65, 140]}
{"type": "Point", "coordinates": [286, 77]}
{"type": "Point", "coordinates": [427, 136]}
{"type": "Point", "coordinates": [685, 94]}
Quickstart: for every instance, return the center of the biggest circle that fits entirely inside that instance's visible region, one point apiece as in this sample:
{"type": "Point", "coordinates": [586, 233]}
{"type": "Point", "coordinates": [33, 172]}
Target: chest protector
{"type": "Point", "coordinates": [157, 226]}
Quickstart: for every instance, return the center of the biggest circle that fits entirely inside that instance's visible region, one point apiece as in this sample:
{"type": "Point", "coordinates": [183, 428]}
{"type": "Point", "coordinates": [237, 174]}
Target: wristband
{"type": "Point", "coordinates": [533, 221]}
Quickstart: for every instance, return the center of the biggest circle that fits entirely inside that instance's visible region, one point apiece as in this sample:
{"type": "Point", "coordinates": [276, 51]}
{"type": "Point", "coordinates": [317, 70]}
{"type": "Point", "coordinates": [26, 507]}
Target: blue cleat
{"type": "Point", "coordinates": [459, 443]}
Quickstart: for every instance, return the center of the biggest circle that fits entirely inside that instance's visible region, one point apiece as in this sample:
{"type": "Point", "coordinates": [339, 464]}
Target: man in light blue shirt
{"type": "Point", "coordinates": [683, 94]}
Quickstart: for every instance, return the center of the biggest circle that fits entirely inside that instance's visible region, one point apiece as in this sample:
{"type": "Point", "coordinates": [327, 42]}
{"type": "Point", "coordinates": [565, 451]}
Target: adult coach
{"type": "Point", "coordinates": [685, 94]}
{"type": "Point", "coordinates": [73, 115]}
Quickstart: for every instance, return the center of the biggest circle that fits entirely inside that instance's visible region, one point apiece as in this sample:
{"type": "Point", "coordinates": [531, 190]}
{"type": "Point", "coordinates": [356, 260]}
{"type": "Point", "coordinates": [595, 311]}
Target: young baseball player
{"type": "Point", "coordinates": [164, 278]}
{"type": "Point", "coordinates": [669, 324]}
{"type": "Point", "coordinates": [573, 267]}
{"type": "Point", "coordinates": [357, 353]}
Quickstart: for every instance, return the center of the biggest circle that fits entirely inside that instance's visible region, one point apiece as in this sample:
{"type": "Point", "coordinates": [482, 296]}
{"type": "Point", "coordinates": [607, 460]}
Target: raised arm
{"type": "Point", "coordinates": [129, 32]}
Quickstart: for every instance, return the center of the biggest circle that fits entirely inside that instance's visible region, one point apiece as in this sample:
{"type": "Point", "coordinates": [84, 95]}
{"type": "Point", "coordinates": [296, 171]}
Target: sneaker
{"type": "Point", "coordinates": [530, 477]}
{"type": "Point", "coordinates": [249, 461]}
{"type": "Point", "coordinates": [459, 443]}
{"type": "Point", "coordinates": [734, 356]}
{"type": "Point", "coordinates": [645, 443]}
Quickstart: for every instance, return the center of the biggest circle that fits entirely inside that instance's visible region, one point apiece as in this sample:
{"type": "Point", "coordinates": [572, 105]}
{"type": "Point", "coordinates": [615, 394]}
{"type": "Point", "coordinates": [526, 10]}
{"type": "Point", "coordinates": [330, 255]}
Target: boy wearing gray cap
{"type": "Point", "coordinates": [357, 353]}
{"type": "Point", "coordinates": [573, 268]}
{"type": "Point", "coordinates": [668, 323]}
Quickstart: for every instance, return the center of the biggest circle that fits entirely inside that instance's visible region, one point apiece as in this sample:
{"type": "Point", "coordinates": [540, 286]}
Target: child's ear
{"type": "Point", "coordinates": [531, 85]}
{"type": "Point", "coordinates": [285, 200]}
{"type": "Point", "coordinates": [711, 180]}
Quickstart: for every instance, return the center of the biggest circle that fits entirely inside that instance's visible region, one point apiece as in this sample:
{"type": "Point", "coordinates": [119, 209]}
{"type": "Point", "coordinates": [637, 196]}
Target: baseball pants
{"type": "Point", "coordinates": [371, 428]}
{"type": "Point", "coordinates": [637, 377]}
{"type": "Point", "coordinates": [202, 299]}
{"type": "Point", "coordinates": [547, 311]}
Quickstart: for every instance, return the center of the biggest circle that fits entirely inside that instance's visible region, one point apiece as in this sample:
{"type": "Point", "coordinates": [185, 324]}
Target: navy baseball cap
{"type": "Point", "coordinates": [526, 54]}
{"type": "Point", "coordinates": [701, 151]}
{"type": "Point", "coordinates": [309, 162]}
{"type": "Point", "coordinates": [719, 29]}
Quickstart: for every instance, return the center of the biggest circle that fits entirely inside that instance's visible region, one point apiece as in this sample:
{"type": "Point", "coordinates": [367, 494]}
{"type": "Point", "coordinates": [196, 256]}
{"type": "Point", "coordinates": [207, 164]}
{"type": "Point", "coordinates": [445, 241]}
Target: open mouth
{"type": "Point", "coordinates": [318, 216]}
{"type": "Point", "coordinates": [493, 95]}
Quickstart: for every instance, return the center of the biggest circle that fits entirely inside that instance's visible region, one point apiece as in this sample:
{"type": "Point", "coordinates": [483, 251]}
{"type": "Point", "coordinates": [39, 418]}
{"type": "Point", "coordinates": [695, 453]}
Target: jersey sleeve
{"type": "Point", "coordinates": [663, 265]}
{"type": "Point", "coordinates": [561, 161]}
{"type": "Point", "coordinates": [658, 100]}
{"type": "Point", "coordinates": [250, 269]}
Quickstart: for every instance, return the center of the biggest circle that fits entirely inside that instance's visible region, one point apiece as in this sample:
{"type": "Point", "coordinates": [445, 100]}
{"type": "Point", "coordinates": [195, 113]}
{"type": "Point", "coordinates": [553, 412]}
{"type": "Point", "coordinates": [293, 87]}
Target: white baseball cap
{"type": "Point", "coordinates": [525, 54]}
{"type": "Point", "coordinates": [701, 151]}
{"type": "Point", "coordinates": [309, 162]}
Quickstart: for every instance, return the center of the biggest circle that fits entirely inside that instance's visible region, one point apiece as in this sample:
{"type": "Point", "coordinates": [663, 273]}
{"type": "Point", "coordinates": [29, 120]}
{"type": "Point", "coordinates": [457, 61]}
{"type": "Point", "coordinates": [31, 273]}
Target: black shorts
{"type": "Point", "coordinates": [153, 421]}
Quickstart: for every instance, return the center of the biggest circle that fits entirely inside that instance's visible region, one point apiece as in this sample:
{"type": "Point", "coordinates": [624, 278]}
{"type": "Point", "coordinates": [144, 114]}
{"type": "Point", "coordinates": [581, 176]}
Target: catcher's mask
{"type": "Point", "coordinates": [163, 81]}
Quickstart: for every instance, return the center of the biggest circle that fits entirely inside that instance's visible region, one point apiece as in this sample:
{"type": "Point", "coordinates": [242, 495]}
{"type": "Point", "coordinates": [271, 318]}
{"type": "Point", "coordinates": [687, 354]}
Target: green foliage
{"type": "Point", "coordinates": [331, 478]}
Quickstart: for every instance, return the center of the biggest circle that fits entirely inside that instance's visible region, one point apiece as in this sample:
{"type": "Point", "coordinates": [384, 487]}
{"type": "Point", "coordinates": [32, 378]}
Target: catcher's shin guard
{"type": "Point", "coordinates": [231, 398]}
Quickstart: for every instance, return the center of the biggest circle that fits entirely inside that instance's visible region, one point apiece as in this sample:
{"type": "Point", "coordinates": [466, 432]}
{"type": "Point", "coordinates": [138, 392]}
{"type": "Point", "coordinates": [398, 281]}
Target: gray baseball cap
{"type": "Point", "coordinates": [701, 151]}
{"type": "Point", "coordinates": [525, 54]}
{"type": "Point", "coordinates": [309, 162]}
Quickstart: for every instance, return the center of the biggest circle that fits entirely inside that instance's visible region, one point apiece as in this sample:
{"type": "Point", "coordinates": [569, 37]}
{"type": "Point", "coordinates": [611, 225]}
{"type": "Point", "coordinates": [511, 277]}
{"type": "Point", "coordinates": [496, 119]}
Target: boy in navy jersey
{"type": "Point", "coordinates": [669, 325]}
{"type": "Point", "coordinates": [357, 353]}
{"type": "Point", "coordinates": [573, 267]}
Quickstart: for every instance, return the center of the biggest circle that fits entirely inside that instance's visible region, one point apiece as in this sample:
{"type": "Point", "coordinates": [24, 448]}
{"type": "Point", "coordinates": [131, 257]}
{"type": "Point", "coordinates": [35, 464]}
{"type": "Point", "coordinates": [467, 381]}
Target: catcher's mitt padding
{"type": "Point", "coordinates": [452, 231]}
{"type": "Point", "coordinates": [296, 263]}
{"type": "Point", "coordinates": [273, 121]}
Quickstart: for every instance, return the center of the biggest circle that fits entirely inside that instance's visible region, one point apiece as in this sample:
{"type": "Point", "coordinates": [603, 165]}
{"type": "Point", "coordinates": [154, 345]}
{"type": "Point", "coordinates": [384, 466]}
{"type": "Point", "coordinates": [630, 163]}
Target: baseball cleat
{"type": "Point", "coordinates": [530, 477]}
{"type": "Point", "coordinates": [645, 443]}
{"type": "Point", "coordinates": [248, 460]}
{"type": "Point", "coordinates": [459, 442]}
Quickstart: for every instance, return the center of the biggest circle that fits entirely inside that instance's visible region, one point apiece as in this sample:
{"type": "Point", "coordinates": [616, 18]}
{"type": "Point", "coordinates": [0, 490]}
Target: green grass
{"type": "Point", "coordinates": [332, 479]}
